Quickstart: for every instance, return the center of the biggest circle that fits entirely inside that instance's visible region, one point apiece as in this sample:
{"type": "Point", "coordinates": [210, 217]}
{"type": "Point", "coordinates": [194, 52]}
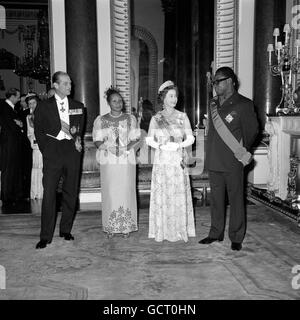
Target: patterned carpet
{"type": "Point", "coordinates": [93, 267]}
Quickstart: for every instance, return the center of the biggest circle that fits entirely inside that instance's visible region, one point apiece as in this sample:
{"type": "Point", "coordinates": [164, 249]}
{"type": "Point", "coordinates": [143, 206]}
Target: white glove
{"type": "Point", "coordinates": [187, 142]}
{"type": "Point", "coordinates": [170, 146]}
{"type": "Point", "coordinates": [150, 142]}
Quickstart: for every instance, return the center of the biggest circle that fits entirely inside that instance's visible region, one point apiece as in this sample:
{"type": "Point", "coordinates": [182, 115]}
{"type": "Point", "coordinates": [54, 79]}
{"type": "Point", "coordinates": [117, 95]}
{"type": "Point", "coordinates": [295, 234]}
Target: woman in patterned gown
{"type": "Point", "coordinates": [36, 190]}
{"type": "Point", "coordinates": [171, 215]}
{"type": "Point", "coordinates": [115, 135]}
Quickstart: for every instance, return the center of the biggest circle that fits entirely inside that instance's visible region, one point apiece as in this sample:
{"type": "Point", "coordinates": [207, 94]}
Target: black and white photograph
{"type": "Point", "coordinates": [149, 157]}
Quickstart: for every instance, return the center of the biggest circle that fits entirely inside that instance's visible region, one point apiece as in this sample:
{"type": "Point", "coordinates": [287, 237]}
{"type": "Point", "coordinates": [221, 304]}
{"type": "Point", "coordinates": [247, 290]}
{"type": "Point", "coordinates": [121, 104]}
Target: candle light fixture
{"type": "Point", "coordinates": [283, 60]}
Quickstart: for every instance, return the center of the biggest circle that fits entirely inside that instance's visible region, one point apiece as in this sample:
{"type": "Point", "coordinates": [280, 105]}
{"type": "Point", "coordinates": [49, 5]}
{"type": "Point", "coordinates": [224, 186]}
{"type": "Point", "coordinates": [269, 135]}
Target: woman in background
{"type": "Point", "coordinates": [36, 190]}
{"type": "Point", "coordinates": [115, 135]}
{"type": "Point", "coordinates": [171, 214]}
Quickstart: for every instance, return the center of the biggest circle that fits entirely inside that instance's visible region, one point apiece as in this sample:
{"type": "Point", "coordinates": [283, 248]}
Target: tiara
{"type": "Point", "coordinates": [108, 91]}
{"type": "Point", "coordinates": [165, 85]}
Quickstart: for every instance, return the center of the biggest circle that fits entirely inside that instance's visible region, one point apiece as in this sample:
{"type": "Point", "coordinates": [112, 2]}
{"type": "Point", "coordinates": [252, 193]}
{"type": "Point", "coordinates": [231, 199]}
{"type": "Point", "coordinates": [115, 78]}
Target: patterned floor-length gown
{"type": "Point", "coordinates": [118, 174]}
{"type": "Point", "coordinates": [171, 214]}
{"type": "Point", "coordinates": [36, 189]}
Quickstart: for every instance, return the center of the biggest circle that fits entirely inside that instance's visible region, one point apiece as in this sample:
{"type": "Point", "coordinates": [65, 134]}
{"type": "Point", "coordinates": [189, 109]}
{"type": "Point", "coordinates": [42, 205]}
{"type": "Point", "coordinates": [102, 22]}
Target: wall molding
{"type": "Point", "coordinates": [143, 34]}
{"type": "Point", "coordinates": [121, 48]}
{"type": "Point", "coordinates": [226, 34]}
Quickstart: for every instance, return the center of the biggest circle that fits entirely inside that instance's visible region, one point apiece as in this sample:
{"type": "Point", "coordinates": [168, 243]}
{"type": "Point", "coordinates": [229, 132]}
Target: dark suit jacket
{"type": "Point", "coordinates": [237, 112]}
{"type": "Point", "coordinates": [47, 121]}
{"type": "Point", "coordinates": [10, 135]}
{"type": "Point", "coordinates": [7, 117]}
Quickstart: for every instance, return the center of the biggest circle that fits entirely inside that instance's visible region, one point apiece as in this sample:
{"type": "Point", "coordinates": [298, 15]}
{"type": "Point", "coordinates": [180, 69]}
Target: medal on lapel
{"type": "Point", "coordinates": [229, 118]}
{"type": "Point", "coordinates": [73, 130]}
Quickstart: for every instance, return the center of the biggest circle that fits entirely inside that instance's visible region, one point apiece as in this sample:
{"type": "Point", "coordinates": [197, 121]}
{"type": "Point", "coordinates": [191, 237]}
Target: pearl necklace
{"type": "Point", "coordinates": [116, 116]}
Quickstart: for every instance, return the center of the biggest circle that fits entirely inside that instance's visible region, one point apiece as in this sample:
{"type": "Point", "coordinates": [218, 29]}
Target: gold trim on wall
{"type": "Point", "coordinates": [120, 27]}
{"type": "Point", "coordinates": [226, 34]}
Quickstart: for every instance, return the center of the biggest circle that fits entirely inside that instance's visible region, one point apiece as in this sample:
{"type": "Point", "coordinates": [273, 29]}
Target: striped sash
{"type": "Point", "coordinates": [237, 148]}
{"type": "Point", "coordinates": [65, 128]}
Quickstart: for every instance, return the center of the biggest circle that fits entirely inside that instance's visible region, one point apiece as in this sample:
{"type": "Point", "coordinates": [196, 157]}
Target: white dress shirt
{"type": "Point", "coordinates": [10, 103]}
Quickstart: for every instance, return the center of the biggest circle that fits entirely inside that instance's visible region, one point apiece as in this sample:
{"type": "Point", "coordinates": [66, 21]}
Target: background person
{"type": "Point", "coordinates": [36, 190]}
{"type": "Point", "coordinates": [23, 111]}
{"type": "Point", "coordinates": [11, 139]}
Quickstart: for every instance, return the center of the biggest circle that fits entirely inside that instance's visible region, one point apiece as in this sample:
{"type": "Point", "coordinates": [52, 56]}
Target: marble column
{"type": "Point", "coordinates": [269, 14]}
{"type": "Point", "coordinates": [206, 51]}
{"type": "Point", "coordinates": [82, 55]}
{"type": "Point", "coordinates": [169, 7]}
{"type": "Point", "coordinates": [82, 66]}
{"type": "Point", "coordinates": [183, 59]}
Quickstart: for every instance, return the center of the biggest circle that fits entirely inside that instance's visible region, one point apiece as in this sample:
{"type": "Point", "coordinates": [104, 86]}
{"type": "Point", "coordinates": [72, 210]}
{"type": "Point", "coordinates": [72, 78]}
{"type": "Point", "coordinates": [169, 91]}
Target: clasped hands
{"type": "Point", "coordinates": [118, 151]}
{"type": "Point", "coordinates": [170, 146]}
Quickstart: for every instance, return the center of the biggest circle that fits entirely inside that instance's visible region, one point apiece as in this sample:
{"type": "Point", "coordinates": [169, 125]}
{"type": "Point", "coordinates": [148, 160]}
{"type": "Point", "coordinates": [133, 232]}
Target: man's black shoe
{"type": "Point", "coordinates": [66, 236]}
{"type": "Point", "coordinates": [236, 246]}
{"type": "Point", "coordinates": [209, 240]}
{"type": "Point", "coordinates": [42, 244]}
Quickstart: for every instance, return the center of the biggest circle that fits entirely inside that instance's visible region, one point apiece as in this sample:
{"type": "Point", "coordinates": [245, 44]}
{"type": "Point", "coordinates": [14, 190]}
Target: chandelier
{"type": "Point", "coordinates": [284, 62]}
{"type": "Point", "coordinates": [35, 65]}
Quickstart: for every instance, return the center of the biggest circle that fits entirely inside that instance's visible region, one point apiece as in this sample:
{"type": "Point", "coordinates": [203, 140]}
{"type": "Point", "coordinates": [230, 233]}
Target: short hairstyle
{"type": "Point", "coordinates": [227, 72]}
{"type": "Point", "coordinates": [56, 76]}
{"type": "Point", "coordinates": [162, 94]}
{"type": "Point", "coordinates": [11, 92]}
{"type": "Point", "coordinates": [33, 97]}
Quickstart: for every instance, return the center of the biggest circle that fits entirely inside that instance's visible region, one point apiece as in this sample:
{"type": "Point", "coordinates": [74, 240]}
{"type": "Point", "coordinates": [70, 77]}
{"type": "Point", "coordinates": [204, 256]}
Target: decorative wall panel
{"type": "Point", "coordinates": [121, 48]}
{"type": "Point", "coordinates": [226, 34]}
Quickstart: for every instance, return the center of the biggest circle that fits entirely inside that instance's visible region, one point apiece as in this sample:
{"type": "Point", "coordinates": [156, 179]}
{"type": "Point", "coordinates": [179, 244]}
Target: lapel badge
{"type": "Point", "coordinates": [73, 130]}
{"type": "Point", "coordinates": [229, 118]}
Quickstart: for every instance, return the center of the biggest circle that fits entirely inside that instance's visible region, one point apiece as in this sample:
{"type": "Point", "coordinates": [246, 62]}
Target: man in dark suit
{"type": "Point", "coordinates": [226, 172]}
{"type": "Point", "coordinates": [58, 128]}
{"type": "Point", "coordinates": [11, 146]}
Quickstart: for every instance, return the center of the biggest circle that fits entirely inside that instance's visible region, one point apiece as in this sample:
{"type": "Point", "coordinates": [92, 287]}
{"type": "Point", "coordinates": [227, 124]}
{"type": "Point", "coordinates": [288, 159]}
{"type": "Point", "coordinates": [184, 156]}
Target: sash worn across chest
{"type": "Point", "coordinates": [236, 147]}
{"type": "Point", "coordinates": [165, 125]}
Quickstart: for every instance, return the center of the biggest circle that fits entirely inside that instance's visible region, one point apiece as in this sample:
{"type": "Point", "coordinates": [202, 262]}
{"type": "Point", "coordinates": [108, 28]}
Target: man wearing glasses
{"type": "Point", "coordinates": [232, 129]}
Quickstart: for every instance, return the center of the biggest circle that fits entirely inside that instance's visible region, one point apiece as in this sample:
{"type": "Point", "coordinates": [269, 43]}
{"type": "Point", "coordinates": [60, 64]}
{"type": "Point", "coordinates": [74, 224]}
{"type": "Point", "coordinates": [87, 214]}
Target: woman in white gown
{"type": "Point", "coordinates": [36, 190]}
{"type": "Point", "coordinates": [171, 215]}
{"type": "Point", "coordinates": [115, 135]}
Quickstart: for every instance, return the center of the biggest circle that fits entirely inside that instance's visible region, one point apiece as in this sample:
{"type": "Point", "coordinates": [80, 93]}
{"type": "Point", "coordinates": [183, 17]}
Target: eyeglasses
{"type": "Point", "coordinates": [217, 81]}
